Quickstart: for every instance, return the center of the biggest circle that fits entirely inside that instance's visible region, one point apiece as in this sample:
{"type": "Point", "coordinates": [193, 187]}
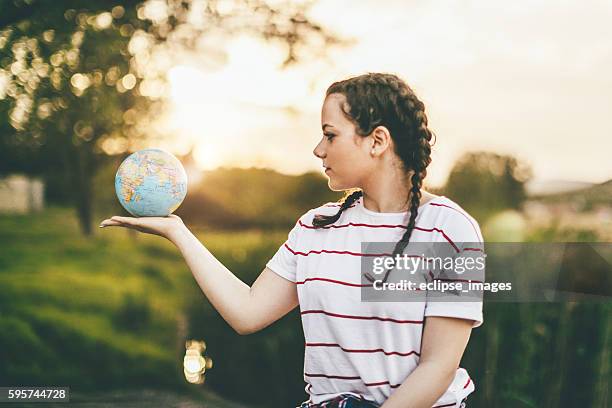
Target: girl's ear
{"type": "Point", "coordinates": [381, 140]}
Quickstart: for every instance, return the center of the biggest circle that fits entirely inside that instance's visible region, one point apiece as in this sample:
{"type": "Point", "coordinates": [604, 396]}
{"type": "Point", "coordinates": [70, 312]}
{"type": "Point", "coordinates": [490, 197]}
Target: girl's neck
{"type": "Point", "coordinates": [391, 195]}
{"type": "Point", "coordinates": [387, 205]}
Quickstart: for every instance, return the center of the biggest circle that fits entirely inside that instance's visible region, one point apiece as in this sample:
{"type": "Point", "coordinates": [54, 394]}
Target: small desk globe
{"type": "Point", "coordinates": [151, 183]}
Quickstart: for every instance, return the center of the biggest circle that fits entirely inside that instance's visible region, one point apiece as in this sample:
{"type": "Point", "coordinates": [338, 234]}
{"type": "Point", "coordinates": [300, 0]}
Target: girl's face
{"type": "Point", "coordinates": [345, 154]}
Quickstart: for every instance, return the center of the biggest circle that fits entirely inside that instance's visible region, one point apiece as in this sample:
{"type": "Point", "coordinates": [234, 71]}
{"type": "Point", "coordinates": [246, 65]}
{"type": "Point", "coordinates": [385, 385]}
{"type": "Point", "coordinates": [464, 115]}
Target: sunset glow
{"type": "Point", "coordinates": [487, 83]}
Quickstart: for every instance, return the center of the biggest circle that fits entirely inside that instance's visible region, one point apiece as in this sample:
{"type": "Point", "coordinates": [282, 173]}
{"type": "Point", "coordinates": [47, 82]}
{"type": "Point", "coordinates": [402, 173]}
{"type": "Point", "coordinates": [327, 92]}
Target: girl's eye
{"type": "Point", "coordinates": [329, 136]}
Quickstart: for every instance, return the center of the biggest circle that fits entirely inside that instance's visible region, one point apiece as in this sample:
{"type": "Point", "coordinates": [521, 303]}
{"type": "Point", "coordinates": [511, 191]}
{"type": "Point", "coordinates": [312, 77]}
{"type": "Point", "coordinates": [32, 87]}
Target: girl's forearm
{"type": "Point", "coordinates": [223, 289]}
{"type": "Point", "coordinates": [422, 388]}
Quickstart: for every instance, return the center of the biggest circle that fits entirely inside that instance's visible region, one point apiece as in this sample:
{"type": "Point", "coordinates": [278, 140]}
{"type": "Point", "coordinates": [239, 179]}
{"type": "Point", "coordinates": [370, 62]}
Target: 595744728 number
{"type": "Point", "coordinates": [14, 394]}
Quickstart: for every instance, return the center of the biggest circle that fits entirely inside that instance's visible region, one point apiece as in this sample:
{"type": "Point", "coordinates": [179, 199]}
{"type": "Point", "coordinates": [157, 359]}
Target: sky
{"type": "Point", "coordinates": [530, 79]}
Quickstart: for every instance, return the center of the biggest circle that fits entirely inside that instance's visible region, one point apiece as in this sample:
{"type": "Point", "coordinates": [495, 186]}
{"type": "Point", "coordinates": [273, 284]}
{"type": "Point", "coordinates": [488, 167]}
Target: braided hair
{"type": "Point", "coordinates": [379, 99]}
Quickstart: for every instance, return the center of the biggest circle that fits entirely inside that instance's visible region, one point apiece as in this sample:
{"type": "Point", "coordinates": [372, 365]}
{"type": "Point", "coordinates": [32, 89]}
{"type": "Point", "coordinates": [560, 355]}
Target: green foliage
{"type": "Point", "coordinates": [238, 198]}
{"type": "Point", "coordinates": [72, 87]}
{"type": "Point", "coordinates": [556, 233]}
{"type": "Point", "coordinates": [486, 183]}
{"type": "Point", "coordinates": [69, 311]}
{"type": "Point", "coordinates": [529, 354]}
{"type": "Point", "coordinates": [80, 80]}
{"type": "Point", "coordinates": [134, 314]}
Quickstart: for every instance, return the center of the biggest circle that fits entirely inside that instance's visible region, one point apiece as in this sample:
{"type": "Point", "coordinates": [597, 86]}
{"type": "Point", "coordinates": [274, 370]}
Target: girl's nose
{"type": "Point", "coordinates": [318, 150]}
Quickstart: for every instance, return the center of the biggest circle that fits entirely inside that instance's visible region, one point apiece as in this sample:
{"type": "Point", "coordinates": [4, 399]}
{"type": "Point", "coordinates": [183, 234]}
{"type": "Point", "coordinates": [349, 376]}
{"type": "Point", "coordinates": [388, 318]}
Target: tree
{"type": "Point", "coordinates": [79, 78]}
{"type": "Point", "coordinates": [485, 183]}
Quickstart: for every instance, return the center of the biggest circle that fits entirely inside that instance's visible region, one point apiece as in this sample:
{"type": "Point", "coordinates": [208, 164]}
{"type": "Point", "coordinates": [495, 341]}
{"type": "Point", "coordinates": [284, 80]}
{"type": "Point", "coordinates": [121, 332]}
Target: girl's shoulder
{"type": "Point", "coordinates": [453, 219]}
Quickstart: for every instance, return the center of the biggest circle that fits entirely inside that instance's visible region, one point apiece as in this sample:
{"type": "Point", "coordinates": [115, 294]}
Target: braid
{"type": "Point", "coordinates": [415, 199]}
{"type": "Point", "coordinates": [321, 220]}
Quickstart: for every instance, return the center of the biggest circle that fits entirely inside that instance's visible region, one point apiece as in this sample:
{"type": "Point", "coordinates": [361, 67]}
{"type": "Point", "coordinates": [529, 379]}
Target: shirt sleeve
{"type": "Point", "coordinates": [463, 244]}
{"type": "Point", "coordinates": [284, 262]}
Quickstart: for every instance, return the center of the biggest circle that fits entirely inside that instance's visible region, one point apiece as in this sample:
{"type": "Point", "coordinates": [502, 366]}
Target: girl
{"type": "Point", "coordinates": [358, 354]}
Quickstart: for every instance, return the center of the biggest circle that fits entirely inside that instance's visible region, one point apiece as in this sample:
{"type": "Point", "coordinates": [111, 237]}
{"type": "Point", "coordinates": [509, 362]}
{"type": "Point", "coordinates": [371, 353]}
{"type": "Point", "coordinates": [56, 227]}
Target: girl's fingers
{"type": "Point", "coordinates": [128, 221]}
{"type": "Point", "coordinates": [124, 220]}
{"type": "Point", "coordinates": [119, 221]}
{"type": "Point", "coordinates": [110, 223]}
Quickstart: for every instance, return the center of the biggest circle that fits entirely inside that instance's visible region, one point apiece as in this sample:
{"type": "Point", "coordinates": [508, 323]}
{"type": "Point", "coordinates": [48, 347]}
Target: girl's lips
{"type": "Point", "coordinates": [327, 169]}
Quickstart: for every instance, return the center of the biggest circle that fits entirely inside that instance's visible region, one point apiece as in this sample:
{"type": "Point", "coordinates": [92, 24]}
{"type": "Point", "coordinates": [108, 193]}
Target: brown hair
{"type": "Point", "coordinates": [379, 99]}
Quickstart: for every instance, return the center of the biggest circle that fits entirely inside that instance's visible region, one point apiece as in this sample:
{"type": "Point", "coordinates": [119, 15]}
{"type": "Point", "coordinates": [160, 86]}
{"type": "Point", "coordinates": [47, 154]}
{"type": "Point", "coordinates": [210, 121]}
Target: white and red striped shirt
{"type": "Point", "coordinates": [367, 348]}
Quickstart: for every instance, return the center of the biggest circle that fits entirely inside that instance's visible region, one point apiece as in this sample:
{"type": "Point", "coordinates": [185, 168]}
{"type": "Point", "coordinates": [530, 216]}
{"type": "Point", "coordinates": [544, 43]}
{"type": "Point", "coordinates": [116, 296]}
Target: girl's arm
{"type": "Point", "coordinates": [443, 344]}
{"type": "Point", "coordinates": [246, 309]}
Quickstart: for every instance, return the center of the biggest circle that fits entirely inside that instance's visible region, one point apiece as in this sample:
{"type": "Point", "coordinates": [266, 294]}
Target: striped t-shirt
{"type": "Point", "coordinates": [367, 348]}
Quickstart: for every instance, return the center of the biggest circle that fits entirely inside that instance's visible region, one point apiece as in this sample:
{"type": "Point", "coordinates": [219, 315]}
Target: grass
{"type": "Point", "coordinates": [101, 312]}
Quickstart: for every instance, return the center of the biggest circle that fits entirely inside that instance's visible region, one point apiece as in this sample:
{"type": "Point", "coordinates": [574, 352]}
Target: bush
{"type": "Point", "coordinates": [134, 314]}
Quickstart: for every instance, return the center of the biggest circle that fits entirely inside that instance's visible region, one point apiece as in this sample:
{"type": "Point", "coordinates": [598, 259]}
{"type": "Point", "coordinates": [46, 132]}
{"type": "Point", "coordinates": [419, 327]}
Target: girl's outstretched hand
{"type": "Point", "coordinates": [162, 226]}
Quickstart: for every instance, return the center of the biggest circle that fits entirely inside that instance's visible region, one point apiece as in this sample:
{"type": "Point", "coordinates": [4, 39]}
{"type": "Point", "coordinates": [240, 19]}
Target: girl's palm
{"type": "Point", "coordinates": [161, 226]}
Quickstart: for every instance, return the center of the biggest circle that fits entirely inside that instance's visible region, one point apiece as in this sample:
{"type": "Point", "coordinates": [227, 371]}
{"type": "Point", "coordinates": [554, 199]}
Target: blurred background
{"type": "Point", "coordinates": [516, 94]}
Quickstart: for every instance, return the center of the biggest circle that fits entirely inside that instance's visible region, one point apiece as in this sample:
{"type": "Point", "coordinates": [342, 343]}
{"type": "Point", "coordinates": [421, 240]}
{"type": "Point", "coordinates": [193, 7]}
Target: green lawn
{"type": "Point", "coordinates": [101, 312]}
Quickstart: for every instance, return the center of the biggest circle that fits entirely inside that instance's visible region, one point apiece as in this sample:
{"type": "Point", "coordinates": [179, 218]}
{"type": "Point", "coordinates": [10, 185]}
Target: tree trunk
{"type": "Point", "coordinates": [84, 204]}
{"type": "Point", "coordinates": [83, 176]}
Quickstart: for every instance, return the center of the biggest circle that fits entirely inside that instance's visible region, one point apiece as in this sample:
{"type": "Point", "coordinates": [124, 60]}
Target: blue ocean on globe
{"type": "Point", "coordinates": [151, 183]}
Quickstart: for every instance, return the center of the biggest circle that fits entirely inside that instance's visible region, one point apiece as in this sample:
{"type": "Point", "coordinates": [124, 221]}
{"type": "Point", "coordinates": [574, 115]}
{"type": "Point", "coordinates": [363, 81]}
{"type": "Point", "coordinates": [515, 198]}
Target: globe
{"type": "Point", "coordinates": [151, 183]}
